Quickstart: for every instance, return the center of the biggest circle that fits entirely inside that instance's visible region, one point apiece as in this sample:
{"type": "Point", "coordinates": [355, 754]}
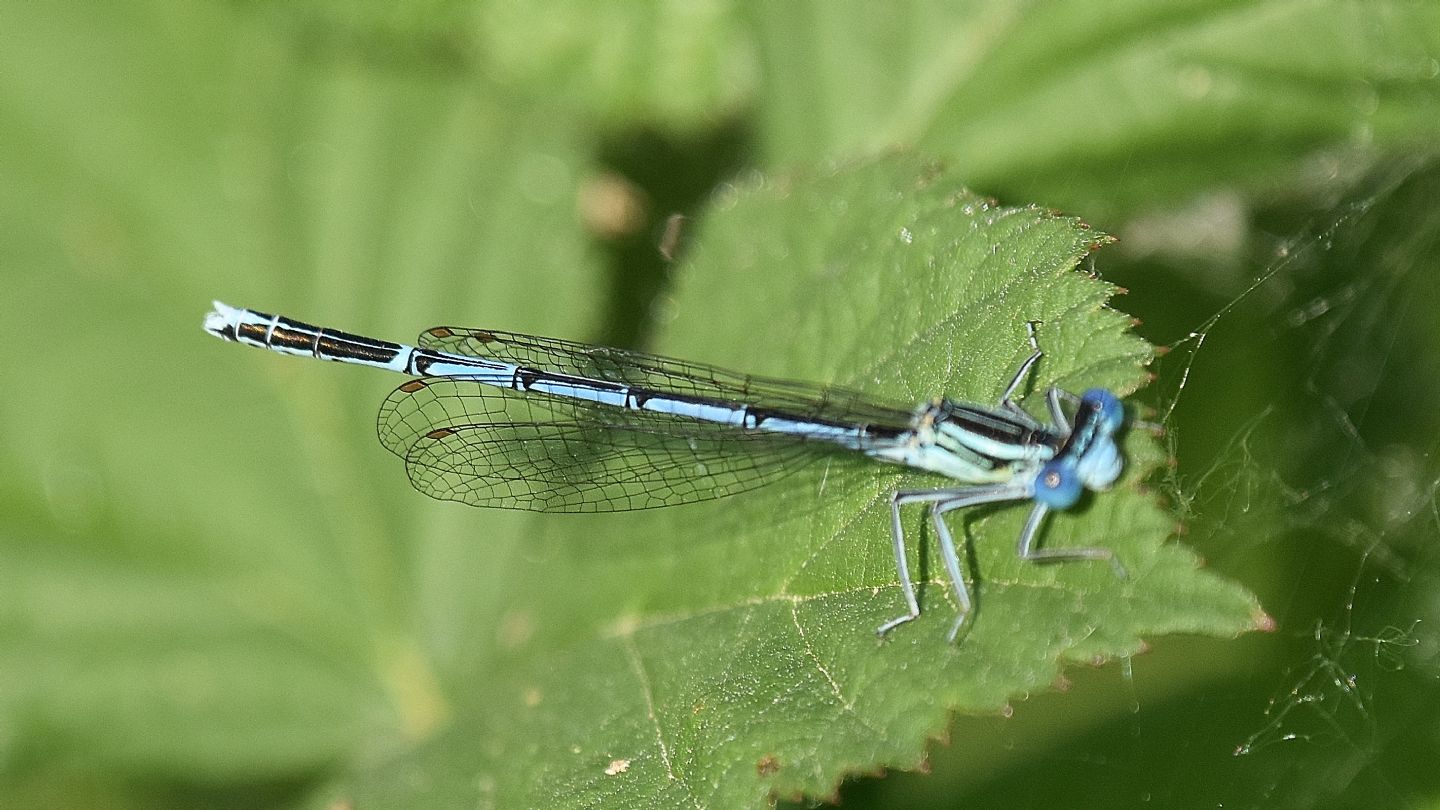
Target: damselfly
{"type": "Point", "coordinates": [509, 420]}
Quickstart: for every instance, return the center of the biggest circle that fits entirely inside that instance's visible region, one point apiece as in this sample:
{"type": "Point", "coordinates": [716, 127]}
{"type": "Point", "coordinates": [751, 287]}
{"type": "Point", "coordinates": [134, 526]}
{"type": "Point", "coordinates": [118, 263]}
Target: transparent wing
{"type": "Point", "coordinates": [578, 467]}
{"type": "Point", "coordinates": [654, 372]}
{"type": "Point", "coordinates": [489, 446]}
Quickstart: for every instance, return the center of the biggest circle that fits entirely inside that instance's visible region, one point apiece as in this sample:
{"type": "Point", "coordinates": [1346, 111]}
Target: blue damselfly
{"type": "Point", "coordinates": [508, 420]}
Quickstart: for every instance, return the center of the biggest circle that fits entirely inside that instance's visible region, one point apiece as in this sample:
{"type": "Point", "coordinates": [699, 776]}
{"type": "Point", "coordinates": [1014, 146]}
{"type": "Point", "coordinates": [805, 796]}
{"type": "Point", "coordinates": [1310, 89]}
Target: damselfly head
{"type": "Point", "coordinates": [1090, 458]}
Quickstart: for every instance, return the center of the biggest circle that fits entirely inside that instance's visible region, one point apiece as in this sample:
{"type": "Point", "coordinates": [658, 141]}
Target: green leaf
{"type": "Point", "coordinates": [212, 576]}
{"type": "Point", "coordinates": [1104, 107]}
{"type": "Point", "coordinates": [681, 64]}
{"type": "Point", "coordinates": [208, 568]}
{"type": "Point", "coordinates": [714, 654]}
{"type": "Point", "coordinates": [675, 64]}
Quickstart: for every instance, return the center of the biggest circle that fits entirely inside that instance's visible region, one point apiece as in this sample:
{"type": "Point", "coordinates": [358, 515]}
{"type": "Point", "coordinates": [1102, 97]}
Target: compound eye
{"type": "Point", "coordinates": [1107, 405]}
{"type": "Point", "coordinates": [1058, 485]}
{"type": "Point", "coordinates": [1101, 465]}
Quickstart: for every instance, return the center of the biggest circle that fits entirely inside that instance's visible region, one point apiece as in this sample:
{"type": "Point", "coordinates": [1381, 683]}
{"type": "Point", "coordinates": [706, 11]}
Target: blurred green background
{"type": "Point", "coordinates": [188, 619]}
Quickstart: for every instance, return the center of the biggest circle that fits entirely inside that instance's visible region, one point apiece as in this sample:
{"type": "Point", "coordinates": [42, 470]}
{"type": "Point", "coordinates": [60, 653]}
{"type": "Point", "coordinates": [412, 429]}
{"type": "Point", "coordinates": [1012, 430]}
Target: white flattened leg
{"type": "Point", "coordinates": [942, 500]}
{"type": "Point", "coordinates": [1025, 549]}
{"type": "Point", "coordinates": [902, 565]}
{"type": "Point", "coordinates": [951, 555]}
{"type": "Point", "coordinates": [1007, 400]}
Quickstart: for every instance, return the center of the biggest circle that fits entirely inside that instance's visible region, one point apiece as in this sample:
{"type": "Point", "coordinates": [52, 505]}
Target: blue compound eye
{"type": "Point", "coordinates": [1107, 405]}
{"type": "Point", "coordinates": [1058, 485]}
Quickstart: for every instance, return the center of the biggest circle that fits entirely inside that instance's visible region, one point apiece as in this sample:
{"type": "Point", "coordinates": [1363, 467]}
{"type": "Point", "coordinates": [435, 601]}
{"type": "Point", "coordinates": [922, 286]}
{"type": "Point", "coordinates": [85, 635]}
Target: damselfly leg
{"type": "Point", "coordinates": [1087, 458]}
{"type": "Point", "coordinates": [941, 501]}
{"type": "Point", "coordinates": [1007, 399]}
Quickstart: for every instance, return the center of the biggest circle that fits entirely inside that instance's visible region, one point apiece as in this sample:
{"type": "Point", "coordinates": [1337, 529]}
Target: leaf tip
{"type": "Point", "coordinates": [1097, 239]}
{"type": "Point", "coordinates": [1263, 621]}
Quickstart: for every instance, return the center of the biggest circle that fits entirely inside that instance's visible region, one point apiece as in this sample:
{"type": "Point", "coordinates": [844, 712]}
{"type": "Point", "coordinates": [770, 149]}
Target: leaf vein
{"type": "Point", "coordinates": [632, 651]}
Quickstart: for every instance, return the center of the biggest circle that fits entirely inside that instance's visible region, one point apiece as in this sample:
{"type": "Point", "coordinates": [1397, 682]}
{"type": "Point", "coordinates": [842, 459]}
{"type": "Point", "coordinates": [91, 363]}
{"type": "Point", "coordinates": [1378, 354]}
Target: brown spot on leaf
{"type": "Point", "coordinates": [768, 765]}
